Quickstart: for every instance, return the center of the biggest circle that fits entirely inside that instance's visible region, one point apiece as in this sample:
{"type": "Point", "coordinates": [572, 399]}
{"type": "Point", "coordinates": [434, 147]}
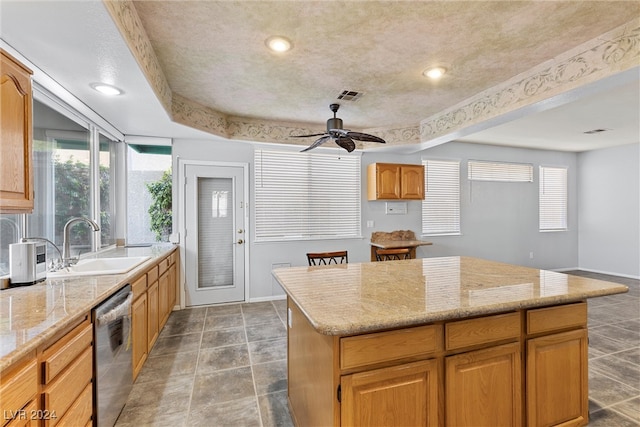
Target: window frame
{"type": "Point", "coordinates": [310, 224]}
{"type": "Point", "coordinates": [456, 230]}
{"type": "Point", "coordinates": [563, 224]}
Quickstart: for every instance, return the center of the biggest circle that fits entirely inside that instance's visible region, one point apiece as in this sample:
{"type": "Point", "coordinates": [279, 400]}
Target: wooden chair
{"type": "Point", "coordinates": [393, 254]}
{"type": "Point", "coordinates": [327, 258]}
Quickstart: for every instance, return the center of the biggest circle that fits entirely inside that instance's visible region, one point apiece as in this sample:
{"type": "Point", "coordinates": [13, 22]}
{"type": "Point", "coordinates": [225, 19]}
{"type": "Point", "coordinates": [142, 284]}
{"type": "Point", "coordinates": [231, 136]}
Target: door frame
{"type": "Point", "coordinates": [182, 210]}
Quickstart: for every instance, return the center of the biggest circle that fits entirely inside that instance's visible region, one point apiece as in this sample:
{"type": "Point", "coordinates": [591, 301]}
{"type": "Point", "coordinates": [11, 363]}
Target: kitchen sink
{"type": "Point", "coordinates": [99, 266]}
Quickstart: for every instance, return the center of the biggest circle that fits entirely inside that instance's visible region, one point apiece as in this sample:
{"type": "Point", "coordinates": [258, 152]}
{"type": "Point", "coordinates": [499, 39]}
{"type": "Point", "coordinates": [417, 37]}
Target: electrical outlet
{"type": "Point", "coordinates": [370, 224]}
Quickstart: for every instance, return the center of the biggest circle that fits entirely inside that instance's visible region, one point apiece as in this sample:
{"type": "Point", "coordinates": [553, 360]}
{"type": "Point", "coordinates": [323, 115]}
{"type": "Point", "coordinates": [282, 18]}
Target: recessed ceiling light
{"type": "Point", "coordinates": [278, 43]}
{"type": "Point", "coordinates": [106, 89]}
{"type": "Point", "coordinates": [435, 72]}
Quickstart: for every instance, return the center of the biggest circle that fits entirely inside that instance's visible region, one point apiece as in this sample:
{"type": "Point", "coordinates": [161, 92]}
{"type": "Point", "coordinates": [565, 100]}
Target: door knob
{"type": "Point", "coordinates": [240, 241]}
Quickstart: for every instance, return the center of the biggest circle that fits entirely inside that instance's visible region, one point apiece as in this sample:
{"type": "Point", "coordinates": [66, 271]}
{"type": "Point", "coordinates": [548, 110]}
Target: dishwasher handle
{"type": "Point", "coordinates": [121, 310]}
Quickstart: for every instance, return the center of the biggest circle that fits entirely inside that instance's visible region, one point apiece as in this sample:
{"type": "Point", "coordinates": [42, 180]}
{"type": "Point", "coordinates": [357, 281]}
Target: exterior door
{"type": "Point", "coordinates": [215, 233]}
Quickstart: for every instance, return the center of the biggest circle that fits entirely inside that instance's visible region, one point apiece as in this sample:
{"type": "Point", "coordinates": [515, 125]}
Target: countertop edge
{"type": "Point", "coordinates": [28, 347]}
{"type": "Point", "coordinates": [340, 330]}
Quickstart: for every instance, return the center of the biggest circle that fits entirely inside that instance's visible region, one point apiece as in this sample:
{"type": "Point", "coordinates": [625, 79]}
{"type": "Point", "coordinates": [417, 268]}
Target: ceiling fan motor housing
{"type": "Point", "coordinates": [334, 123]}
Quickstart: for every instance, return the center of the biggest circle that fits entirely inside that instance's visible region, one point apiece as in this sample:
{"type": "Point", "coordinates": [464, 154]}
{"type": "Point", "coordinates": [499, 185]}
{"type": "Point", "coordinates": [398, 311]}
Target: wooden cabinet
{"type": "Point", "coordinates": [67, 374]}
{"type": "Point", "coordinates": [154, 297]}
{"type": "Point", "coordinates": [391, 181]}
{"type": "Point", "coordinates": [18, 391]}
{"type": "Point", "coordinates": [404, 395]}
{"type": "Point", "coordinates": [464, 372]}
{"type": "Point", "coordinates": [16, 111]}
{"type": "Point", "coordinates": [484, 387]}
{"type": "Point", "coordinates": [557, 371]}
{"type": "Point", "coordinates": [139, 331]}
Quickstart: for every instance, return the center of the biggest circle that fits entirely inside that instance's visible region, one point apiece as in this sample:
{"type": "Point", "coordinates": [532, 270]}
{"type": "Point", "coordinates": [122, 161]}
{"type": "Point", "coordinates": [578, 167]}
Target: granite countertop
{"type": "Point", "coordinates": [30, 315]}
{"type": "Point", "coordinates": [349, 299]}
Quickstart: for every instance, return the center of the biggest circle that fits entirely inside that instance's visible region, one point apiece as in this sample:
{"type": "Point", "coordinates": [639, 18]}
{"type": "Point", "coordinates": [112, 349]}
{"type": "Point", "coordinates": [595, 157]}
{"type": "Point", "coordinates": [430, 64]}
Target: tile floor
{"type": "Point", "coordinates": [226, 366]}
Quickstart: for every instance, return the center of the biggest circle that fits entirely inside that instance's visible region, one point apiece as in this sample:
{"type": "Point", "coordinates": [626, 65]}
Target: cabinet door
{"type": "Point", "coordinates": [404, 395]}
{"type": "Point", "coordinates": [388, 181]}
{"type": "Point", "coordinates": [163, 299]}
{"type": "Point", "coordinates": [412, 182]}
{"type": "Point", "coordinates": [484, 387]}
{"type": "Point", "coordinates": [139, 330]}
{"type": "Point", "coordinates": [152, 315]}
{"type": "Point", "coordinates": [557, 379]}
{"type": "Point", "coordinates": [16, 173]}
{"type": "Point", "coordinates": [173, 280]}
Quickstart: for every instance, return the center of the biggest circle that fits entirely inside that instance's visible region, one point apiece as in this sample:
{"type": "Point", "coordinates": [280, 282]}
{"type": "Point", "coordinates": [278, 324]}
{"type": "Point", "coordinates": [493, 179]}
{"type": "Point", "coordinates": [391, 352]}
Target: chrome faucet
{"type": "Point", "coordinates": [67, 259]}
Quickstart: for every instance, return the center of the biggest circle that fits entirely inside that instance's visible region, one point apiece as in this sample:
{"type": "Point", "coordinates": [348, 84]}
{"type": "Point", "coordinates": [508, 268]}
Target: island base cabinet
{"type": "Point", "coordinates": [405, 395]}
{"type": "Point", "coordinates": [557, 379]}
{"type": "Point", "coordinates": [484, 388]}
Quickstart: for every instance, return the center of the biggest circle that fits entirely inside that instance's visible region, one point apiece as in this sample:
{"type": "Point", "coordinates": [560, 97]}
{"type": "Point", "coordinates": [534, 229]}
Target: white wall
{"type": "Point", "coordinates": [499, 220]}
{"type": "Point", "coordinates": [609, 206]}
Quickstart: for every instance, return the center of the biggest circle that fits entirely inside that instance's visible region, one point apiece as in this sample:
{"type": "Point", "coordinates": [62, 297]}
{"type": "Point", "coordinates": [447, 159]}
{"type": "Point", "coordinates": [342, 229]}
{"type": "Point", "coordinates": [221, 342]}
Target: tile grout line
{"type": "Point", "coordinates": [195, 370]}
{"type": "Point", "coordinates": [253, 376]}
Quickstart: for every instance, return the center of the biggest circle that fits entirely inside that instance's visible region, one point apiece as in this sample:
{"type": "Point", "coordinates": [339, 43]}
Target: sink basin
{"type": "Point", "coordinates": [100, 266]}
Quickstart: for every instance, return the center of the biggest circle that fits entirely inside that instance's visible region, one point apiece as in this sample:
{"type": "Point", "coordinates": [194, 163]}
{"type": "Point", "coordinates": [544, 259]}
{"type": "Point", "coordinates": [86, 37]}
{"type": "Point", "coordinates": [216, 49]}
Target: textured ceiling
{"type": "Point", "coordinates": [213, 52]}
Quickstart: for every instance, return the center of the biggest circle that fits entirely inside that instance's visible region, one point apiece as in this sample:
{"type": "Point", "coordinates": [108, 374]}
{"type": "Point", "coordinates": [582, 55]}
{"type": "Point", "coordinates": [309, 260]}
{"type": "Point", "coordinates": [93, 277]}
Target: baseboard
{"type": "Point", "coordinates": [269, 298]}
{"type": "Point", "coordinates": [626, 276]}
{"type": "Point", "coordinates": [562, 270]}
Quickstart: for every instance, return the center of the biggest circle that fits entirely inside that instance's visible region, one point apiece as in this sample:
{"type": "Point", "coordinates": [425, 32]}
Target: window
{"type": "Point", "coordinates": [146, 164]}
{"type": "Point", "coordinates": [303, 196]}
{"type": "Point", "coordinates": [499, 171]}
{"type": "Point", "coordinates": [441, 204]}
{"type": "Point", "coordinates": [553, 198]}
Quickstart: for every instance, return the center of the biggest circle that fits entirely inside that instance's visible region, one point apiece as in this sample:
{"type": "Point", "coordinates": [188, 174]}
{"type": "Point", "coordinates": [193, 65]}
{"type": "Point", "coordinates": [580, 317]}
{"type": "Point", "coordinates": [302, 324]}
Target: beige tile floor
{"type": "Point", "coordinates": [226, 366]}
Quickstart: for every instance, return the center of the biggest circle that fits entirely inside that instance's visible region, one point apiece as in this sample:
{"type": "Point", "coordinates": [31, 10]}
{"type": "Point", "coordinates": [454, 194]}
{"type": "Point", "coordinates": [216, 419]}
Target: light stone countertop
{"type": "Point", "coordinates": [30, 315]}
{"type": "Point", "coordinates": [350, 299]}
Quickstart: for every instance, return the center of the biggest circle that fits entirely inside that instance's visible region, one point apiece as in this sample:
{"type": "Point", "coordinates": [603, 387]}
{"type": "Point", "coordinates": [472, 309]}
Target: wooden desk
{"type": "Point", "coordinates": [395, 244]}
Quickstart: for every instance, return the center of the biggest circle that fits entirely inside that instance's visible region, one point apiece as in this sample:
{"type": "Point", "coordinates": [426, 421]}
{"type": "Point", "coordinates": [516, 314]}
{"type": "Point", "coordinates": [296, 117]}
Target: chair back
{"type": "Point", "coordinates": [393, 254]}
{"type": "Point", "coordinates": [327, 258]}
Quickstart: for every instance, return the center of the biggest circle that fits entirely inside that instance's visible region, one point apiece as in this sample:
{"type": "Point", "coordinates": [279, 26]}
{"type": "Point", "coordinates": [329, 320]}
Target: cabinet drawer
{"type": "Point", "coordinates": [152, 275]}
{"type": "Point", "coordinates": [18, 389]}
{"type": "Point", "coordinates": [139, 286]}
{"type": "Point", "coordinates": [80, 412]}
{"type": "Point", "coordinates": [62, 392]}
{"type": "Point", "coordinates": [28, 417]}
{"type": "Point", "coordinates": [163, 265]}
{"type": "Point", "coordinates": [380, 347]}
{"type": "Point", "coordinates": [556, 318]}
{"type": "Point", "coordinates": [58, 357]}
{"type": "Point", "coordinates": [483, 330]}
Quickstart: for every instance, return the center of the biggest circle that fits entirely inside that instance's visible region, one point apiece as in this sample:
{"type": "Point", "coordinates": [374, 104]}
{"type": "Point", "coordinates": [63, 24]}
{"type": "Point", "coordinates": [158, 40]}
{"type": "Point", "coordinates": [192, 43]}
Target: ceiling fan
{"type": "Point", "coordinates": [343, 137]}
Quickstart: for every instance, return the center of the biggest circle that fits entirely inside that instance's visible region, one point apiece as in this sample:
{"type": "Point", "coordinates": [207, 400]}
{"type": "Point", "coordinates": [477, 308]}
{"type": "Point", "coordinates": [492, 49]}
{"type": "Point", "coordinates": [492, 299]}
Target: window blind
{"type": "Point", "coordinates": [499, 171]}
{"type": "Point", "coordinates": [553, 198]}
{"type": "Point", "coordinates": [441, 204]}
{"type": "Point", "coordinates": [302, 196]}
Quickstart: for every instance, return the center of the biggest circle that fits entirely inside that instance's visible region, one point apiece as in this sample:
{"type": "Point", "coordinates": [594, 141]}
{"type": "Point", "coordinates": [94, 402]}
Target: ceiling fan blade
{"type": "Point", "coordinates": [346, 143]}
{"type": "Point", "coordinates": [365, 137]}
{"type": "Point", "coordinates": [317, 143]}
{"type": "Point", "coordinates": [304, 136]}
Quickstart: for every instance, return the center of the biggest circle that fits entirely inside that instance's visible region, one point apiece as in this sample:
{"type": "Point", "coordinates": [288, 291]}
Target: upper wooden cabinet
{"type": "Point", "coordinates": [392, 181]}
{"type": "Point", "coordinates": [16, 173]}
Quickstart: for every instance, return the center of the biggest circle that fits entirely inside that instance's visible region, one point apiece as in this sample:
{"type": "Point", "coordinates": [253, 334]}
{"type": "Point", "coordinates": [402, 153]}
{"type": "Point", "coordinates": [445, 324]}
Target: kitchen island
{"type": "Point", "coordinates": [437, 341]}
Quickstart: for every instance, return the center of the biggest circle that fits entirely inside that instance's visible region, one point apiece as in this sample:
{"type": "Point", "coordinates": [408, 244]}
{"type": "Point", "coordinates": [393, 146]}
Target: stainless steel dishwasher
{"type": "Point", "coordinates": [112, 356]}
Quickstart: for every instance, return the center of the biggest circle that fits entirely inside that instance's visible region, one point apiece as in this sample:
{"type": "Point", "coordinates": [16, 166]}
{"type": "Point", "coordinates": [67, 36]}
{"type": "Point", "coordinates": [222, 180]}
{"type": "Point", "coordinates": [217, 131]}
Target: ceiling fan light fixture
{"type": "Point", "coordinates": [434, 73]}
{"type": "Point", "coordinates": [278, 44]}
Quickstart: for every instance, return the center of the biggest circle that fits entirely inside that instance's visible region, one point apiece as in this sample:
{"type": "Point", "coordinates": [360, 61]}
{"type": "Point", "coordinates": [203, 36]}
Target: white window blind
{"type": "Point", "coordinates": [441, 204]}
{"type": "Point", "coordinates": [499, 171]}
{"type": "Point", "coordinates": [302, 196]}
{"type": "Point", "coordinates": [553, 198]}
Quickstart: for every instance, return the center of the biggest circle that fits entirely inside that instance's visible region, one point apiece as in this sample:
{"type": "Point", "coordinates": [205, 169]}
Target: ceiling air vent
{"type": "Point", "coordinates": [590, 132]}
{"type": "Point", "coordinates": [350, 95]}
